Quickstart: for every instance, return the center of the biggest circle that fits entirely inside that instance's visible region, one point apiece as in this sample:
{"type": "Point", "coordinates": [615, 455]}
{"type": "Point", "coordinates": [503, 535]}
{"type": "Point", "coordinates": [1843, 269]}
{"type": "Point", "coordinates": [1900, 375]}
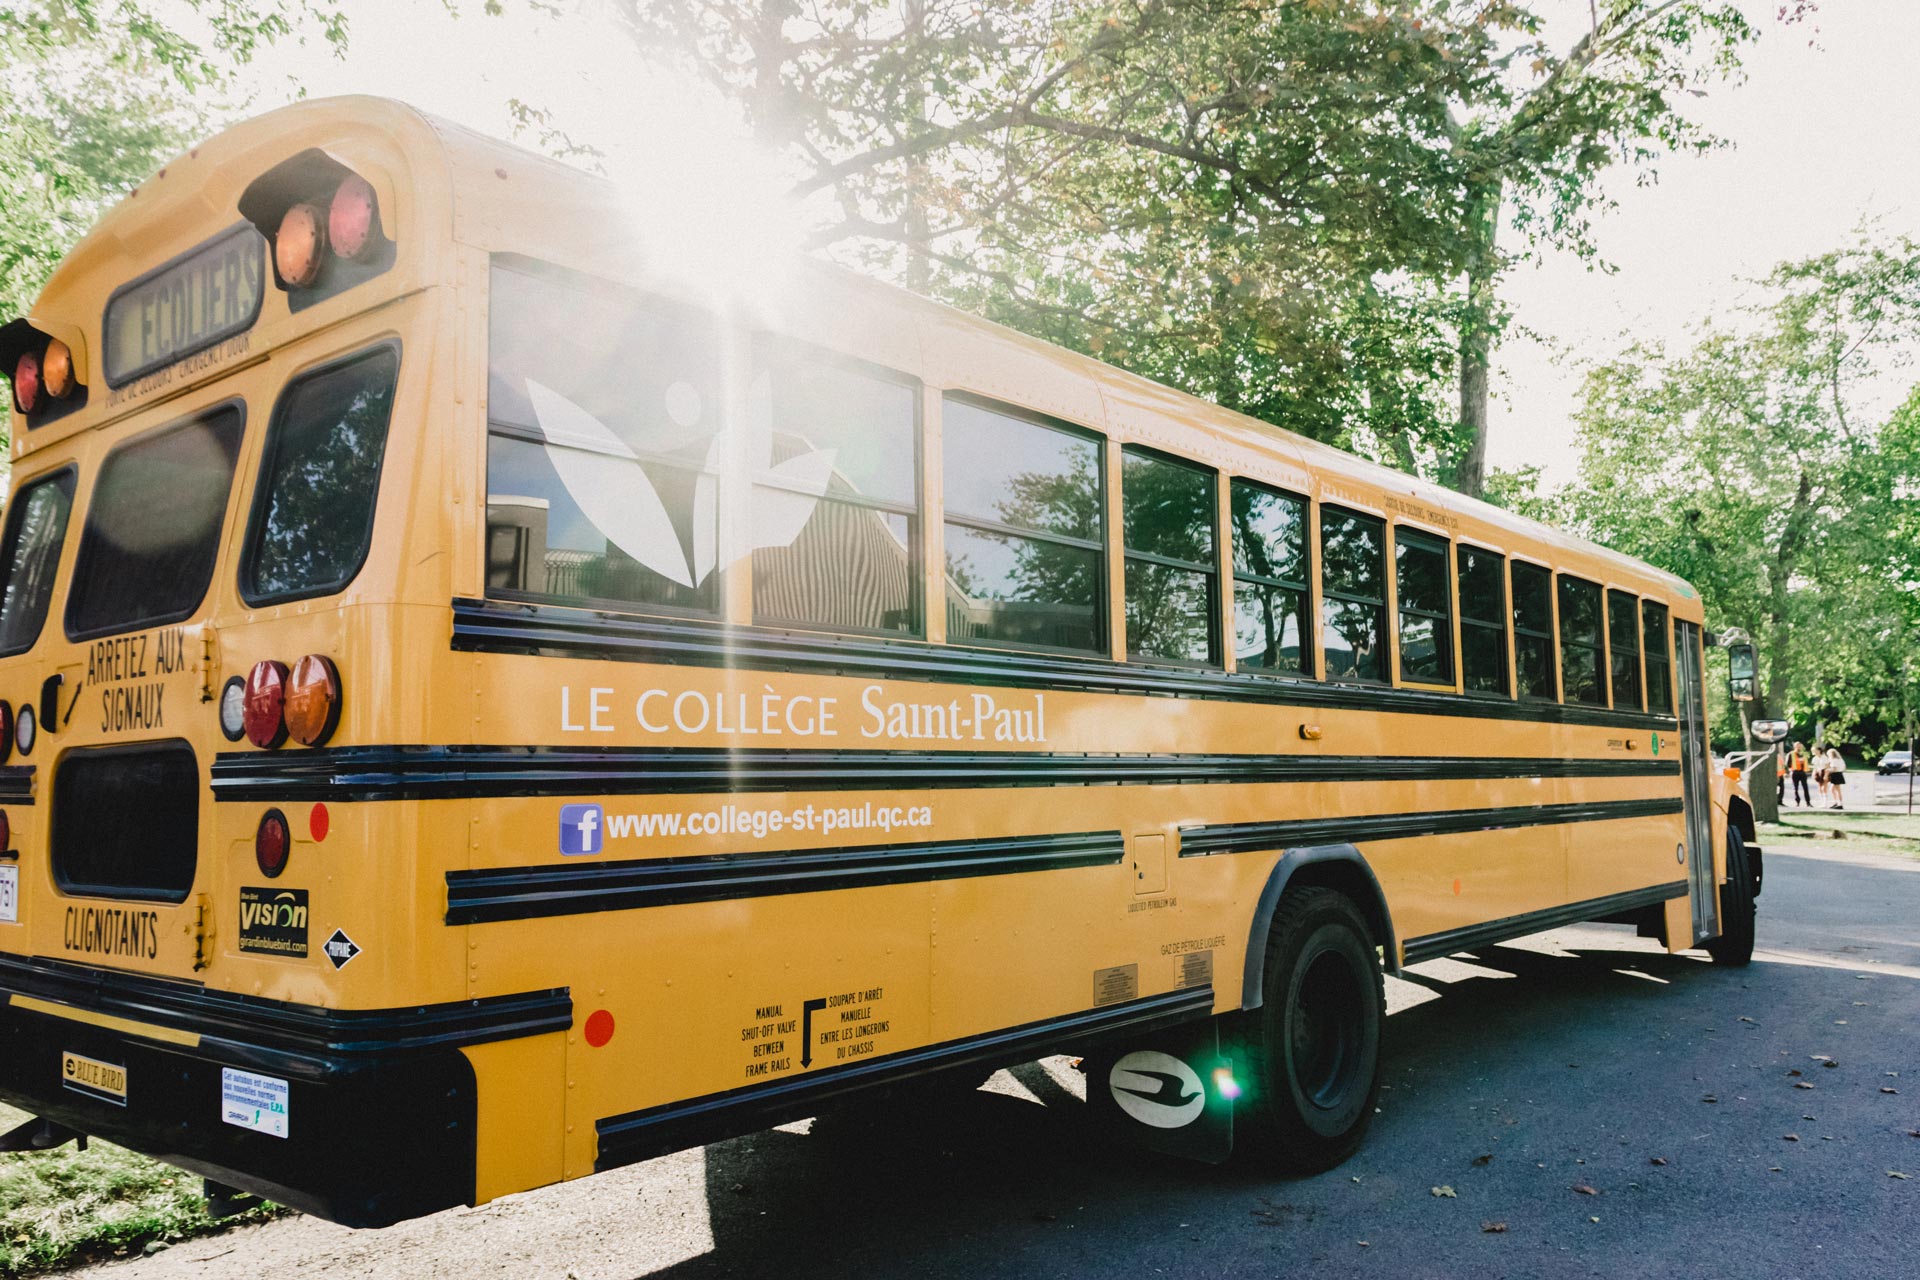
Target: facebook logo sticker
{"type": "Point", "coordinates": [582, 829]}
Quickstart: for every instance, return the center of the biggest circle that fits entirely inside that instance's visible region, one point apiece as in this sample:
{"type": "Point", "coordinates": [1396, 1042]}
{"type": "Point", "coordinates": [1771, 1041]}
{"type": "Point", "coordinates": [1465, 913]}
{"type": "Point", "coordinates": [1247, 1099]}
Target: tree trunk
{"type": "Point", "coordinates": [1478, 326]}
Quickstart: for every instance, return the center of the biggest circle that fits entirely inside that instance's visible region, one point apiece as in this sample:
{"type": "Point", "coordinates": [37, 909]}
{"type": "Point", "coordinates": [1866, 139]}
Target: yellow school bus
{"type": "Point", "coordinates": [483, 706]}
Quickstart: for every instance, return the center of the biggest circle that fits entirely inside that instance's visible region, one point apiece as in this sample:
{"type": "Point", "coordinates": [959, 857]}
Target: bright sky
{"type": "Point", "coordinates": [1822, 137]}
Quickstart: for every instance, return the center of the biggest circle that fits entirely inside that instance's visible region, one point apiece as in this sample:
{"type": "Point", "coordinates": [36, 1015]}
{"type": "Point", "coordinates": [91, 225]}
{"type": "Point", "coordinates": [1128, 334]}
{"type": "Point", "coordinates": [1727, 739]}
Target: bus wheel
{"type": "Point", "coordinates": [1734, 946]}
{"type": "Point", "coordinates": [1311, 1052]}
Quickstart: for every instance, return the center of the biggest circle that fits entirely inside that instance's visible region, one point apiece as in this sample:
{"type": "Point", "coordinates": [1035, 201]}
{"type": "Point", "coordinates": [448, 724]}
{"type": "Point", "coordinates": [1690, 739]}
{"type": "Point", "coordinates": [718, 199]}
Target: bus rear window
{"type": "Point", "coordinates": [314, 516]}
{"type": "Point", "coordinates": [36, 530]}
{"type": "Point", "coordinates": [153, 526]}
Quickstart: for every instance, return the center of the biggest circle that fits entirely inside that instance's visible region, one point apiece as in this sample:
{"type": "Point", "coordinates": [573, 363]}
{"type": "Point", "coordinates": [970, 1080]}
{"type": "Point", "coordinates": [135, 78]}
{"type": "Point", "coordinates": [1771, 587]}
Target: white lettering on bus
{"type": "Point", "coordinates": [975, 717]}
{"type": "Point", "coordinates": [598, 709]}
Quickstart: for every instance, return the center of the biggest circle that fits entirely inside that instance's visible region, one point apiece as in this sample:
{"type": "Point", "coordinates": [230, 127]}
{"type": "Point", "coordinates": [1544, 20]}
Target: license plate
{"type": "Point", "coordinates": [94, 1078]}
{"type": "Point", "coordinates": [9, 893]}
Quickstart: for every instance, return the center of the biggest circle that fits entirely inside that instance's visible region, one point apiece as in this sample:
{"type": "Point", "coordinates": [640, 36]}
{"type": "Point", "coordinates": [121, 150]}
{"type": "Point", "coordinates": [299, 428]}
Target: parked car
{"type": "Point", "coordinates": [1897, 762]}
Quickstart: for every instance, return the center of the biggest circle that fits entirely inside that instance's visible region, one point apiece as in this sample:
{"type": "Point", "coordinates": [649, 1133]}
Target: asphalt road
{"type": "Point", "coordinates": [1583, 1058]}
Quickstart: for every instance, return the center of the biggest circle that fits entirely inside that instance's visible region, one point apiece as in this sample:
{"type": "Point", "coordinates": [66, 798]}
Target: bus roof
{"type": "Point", "coordinates": [441, 185]}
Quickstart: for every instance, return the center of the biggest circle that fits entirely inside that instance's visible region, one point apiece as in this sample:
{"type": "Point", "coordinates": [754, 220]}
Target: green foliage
{"type": "Point", "coordinates": [1748, 465]}
{"type": "Point", "coordinates": [97, 94]}
{"type": "Point", "coordinates": [64, 1206]}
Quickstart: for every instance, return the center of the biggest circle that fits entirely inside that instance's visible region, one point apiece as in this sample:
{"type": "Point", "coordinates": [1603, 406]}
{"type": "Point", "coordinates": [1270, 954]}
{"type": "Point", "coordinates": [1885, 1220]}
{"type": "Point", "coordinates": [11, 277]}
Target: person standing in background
{"type": "Point", "coordinates": [1780, 765]}
{"type": "Point", "coordinates": [1837, 777]}
{"type": "Point", "coordinates": [1797, 767]}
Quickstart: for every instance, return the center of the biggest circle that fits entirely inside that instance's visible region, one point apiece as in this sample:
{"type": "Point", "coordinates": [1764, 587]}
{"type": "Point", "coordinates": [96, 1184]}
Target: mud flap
{"type": "Point", "coordinates": [1173, 1093]}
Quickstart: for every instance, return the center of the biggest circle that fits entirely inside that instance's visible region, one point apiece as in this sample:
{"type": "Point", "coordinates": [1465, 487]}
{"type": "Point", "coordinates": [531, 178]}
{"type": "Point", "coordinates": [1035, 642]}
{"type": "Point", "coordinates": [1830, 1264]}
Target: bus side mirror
{"type": "Point", "coordinates": [1743, 672]}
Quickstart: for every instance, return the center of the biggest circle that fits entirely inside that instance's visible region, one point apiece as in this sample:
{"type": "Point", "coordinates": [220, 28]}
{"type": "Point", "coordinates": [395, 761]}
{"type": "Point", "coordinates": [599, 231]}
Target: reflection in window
{"type": "Point", "coordinates": [853, 565]}
{"type": "Point", "coordinates": [320, 479]}
{"type": "Point", "coordinates": [1582, 657]}
{"type": "Point", "coordinates": [36, 530]}
{"type": "Point", "coordinates": [1653, 624]}
{"type": "Point", "coordinates": [1024, 552]}
{"type": "Point", "coordinates": [1270, 598]}
{"type": "Point", "coordinates": [1533, 630]}
{"type": "Point", "coordinates": [1353, 591]}
{"type": "Point", "coordinates": [1425, 598]}
{"type": "Point", "coordinates": [1623, 648]}
{"type": "Point", "coordinates": [1171, 564]}
{"type": "Point", "coordinates": [153, 527]}
{"type": "Point", "coordinates": [1483, 620]}
{"type": "Point", "coordinates": [603, 415]}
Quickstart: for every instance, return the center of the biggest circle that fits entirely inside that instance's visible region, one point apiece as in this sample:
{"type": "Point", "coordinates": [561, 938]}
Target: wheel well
{"type": "Point", "coordinates": [1740, 814]}
{"type": "Point", "coordinates": [1351, 879]}
{"type": "Point", "coordinates": [1339, 867]}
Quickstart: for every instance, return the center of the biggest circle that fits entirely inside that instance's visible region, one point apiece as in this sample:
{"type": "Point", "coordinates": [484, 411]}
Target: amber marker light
{"type": "Point", "coordinates": [262, 706]}
{"type": "Point", "coordinates": [300, 245]}
{"type": "Point", "coordinates": [56, 370]}
{"type": "Point", "coordinates": [313, 700]}
{"type": "Point", "coordinates": [352, 218]}
{"type": "Point", "coordinates": [26, 383]}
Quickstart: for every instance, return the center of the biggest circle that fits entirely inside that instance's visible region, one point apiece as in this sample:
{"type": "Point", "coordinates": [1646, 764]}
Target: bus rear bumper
{"type": "Point", "coordinates": [377, 1109]}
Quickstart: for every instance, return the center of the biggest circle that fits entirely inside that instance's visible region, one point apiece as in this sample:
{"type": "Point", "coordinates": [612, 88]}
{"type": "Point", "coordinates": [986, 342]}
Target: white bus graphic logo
{"type": "Point", "coordinates": [605, 478]}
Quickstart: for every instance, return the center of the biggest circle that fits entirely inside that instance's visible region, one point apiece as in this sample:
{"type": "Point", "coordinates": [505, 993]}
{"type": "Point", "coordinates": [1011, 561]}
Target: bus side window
{"type": "Point", "coordinates": [843, 476]}
{"type": "Point", "coordinates": [1172, 567]}
{"type": "Point", "coordinates": [1623, 648]}
{"type": "Point", "coordinates": [1483, 620]}
{"type": "Point", "coordinates": [1353, 590]}
{"type": "Point", "coordinates": [319, 477]}
{"type": "Point", "coordinates": [36, 530]}
{"type": "Point", "coordinates": [1271, 626]}
{"type": "Point", "coordinates": [1653, 626]}
{"type": "Point", "coordinates": [1582, 656]}
{"type": "Point", "coordinates": [1025, 538]}
{"type": "Point", "coordinates": [1533, 630]}
{"type": "Point", "coordinates": [603, 410]}
{"type": "Point", "coordinates": [1425, 599]}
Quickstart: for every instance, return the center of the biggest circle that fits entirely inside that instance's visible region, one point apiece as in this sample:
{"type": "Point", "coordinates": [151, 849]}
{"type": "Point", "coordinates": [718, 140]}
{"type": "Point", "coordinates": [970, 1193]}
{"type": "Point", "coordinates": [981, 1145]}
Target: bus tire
{"type": "Point", "coordinates": [1310, 1054]}
{"type": "Point", "coordinates": [1734, 946]}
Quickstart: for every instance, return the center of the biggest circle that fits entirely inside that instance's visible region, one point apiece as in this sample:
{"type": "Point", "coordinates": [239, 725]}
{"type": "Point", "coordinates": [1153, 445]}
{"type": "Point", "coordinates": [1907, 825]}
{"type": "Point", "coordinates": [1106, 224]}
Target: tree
{"type": "Point", "coordinates": [1748, 465]}
{"type": "Point", "coordinates": [99, 94]}
{"type": "Point", "coordinates": [1538, 142]}
{"type": "Point", "coordinates": [1249, 202]}
{"type": "Point", "coordinates": [1290, 208]}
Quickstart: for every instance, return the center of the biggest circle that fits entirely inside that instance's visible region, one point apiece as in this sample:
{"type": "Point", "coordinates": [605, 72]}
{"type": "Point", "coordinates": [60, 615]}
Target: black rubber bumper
{"type": "Point", "coordinates": [380, 1103]}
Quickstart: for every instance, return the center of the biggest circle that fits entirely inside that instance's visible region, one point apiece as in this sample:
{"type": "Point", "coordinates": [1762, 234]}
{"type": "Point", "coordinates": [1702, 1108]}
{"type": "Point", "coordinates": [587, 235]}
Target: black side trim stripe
{"type": "Point", "coordinates": [481, 626]}
{"type": "Point", "coordinates": [241, 1026]}
{"type": "Point", "coordinates": [642, 1135]}
{"type": "Point", "coordinates": [1481, 935]}
{"type": "Point", "coordinates": [522, 893]}
{"type": "Point", "coordinates": [429, 773]}
{"type": "Point", "coordinates": [16, 784]}
{"type": "Point", "coordinates": [1259, 837]}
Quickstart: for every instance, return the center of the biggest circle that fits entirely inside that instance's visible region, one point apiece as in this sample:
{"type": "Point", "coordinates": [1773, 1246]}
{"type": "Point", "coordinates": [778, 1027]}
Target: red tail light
{"type": "Point", "coordinates": [353, 219]}
{"type": "Point", "coordinates": [313, 700]}
{"type": "Point", "coordinates": [6, 832]}
{"type": "Point", "coordinates": [271, 843]}
{"type": "Point", "coordinates": [26, 383]}
{"type": "Point", "coordinates": [6, 732]}
{"type": "Point", "coordinates": [263, 708]}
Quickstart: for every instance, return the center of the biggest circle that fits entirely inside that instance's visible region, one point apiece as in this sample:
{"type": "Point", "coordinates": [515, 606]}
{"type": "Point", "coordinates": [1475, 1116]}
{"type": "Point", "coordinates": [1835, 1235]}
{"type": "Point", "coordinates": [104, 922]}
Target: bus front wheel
{"type": "Point", "coordinates": [1734, 946]}
{"type": "Point", "coordinates": [1310, 1055]}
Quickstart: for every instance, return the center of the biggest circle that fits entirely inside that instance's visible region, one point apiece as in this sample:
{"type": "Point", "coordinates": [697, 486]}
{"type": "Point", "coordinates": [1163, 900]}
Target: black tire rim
{"type": "Point", "coordinates": [1328, 1029]}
